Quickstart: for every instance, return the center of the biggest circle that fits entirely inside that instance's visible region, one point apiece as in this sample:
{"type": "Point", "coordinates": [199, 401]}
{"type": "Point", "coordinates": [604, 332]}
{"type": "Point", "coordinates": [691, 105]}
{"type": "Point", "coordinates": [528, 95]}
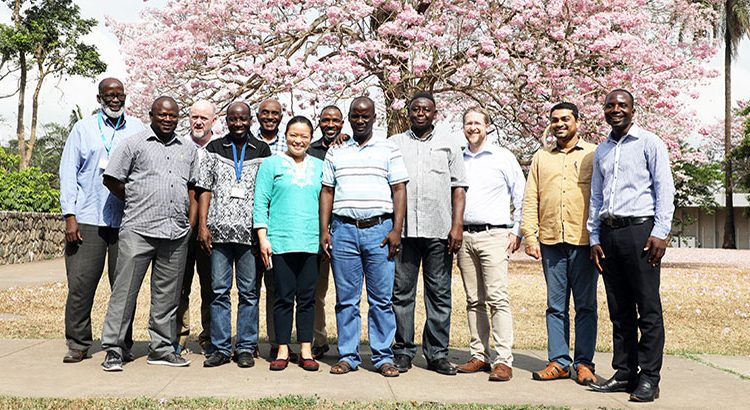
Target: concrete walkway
{"type": "Point", "coordinates": [34, 368]}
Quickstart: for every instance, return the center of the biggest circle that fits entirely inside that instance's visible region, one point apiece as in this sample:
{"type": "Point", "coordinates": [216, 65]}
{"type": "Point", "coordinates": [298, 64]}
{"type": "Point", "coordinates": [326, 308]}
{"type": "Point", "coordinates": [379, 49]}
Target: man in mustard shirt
{"type": "Point", "coordinates": [555, 209]}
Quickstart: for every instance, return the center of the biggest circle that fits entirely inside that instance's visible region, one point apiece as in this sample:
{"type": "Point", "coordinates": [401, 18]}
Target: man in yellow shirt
{"type": "Point", "coordinates": [555, 209]}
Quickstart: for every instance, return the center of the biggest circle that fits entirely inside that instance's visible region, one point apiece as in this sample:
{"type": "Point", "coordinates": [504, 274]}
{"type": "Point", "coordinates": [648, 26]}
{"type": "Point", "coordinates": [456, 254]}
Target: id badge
{"type": "Point", "coordinates": [237, 192]}
{"type": "Point", "coordinates": [103, 163]}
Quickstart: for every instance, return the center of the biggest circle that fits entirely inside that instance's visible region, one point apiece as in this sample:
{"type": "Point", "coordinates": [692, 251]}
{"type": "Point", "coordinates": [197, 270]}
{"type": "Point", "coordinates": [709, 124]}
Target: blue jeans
{"type": "Point", "coordinates": [568, 268]}
{"type": "Point", "coordinates": [223, 256]}
{"type": "Point", "coordinates": [356, 253]}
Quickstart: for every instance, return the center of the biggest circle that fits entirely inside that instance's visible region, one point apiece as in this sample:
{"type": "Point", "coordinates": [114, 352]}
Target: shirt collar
{"type": "Point", "coordinates": [173, 140]}
{"type": "Point", "coordinates": [108, 122]}
{"type": "Point", "coordinates": [412, 135]}
{"type": "Point", "coordinates": [634, 131]}
{"type": "Point", "coordinates": [556, 148]}
{"type": "Point", "coordinates": [487, 147]}
{"type": "Point", "coordinates": [226, 140]}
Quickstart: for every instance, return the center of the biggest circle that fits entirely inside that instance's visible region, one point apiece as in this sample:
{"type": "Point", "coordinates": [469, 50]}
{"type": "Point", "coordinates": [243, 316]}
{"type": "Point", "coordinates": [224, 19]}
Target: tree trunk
{"type": "Point", "coordinates": [729, 233]}
{"type": "Point", "coordinates": [26, 158]}
{"type": "Point", "coordinates": [20, 130]}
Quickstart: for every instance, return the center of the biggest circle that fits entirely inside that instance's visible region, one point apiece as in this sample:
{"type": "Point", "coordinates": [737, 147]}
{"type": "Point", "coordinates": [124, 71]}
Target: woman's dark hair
{"type": "Point", "coordinates": [299, 119]}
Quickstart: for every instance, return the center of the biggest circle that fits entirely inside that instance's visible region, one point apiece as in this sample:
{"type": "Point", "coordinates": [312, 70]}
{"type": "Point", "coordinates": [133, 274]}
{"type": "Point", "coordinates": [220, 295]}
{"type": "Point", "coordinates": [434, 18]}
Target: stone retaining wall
{"type": "Point", "coordinates": [30, 236]}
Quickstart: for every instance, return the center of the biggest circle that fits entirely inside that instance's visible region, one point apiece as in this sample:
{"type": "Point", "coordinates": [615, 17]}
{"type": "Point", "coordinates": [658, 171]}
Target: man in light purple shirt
{"type": "Point", "coordinates": [630, 216]}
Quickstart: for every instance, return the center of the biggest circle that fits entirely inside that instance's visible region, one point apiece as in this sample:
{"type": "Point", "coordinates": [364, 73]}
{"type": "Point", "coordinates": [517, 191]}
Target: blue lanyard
{"type": "Point", "coordinates": [107, 147]}
{"type": "Point", "coordinates": [238, 164]}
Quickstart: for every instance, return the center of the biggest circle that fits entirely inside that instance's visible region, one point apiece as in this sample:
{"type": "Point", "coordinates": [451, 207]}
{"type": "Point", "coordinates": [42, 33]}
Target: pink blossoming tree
{"type": "Point", "coordinates": [515, 57]}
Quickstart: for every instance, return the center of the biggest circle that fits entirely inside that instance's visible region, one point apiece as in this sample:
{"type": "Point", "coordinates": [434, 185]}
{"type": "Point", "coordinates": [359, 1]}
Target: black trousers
{"type": "Point", "coordinates": [84, 265]}
{"type": "Point", "coordinates": [632, 287]}
{"type": "Point", "coordinates": [296, 275]}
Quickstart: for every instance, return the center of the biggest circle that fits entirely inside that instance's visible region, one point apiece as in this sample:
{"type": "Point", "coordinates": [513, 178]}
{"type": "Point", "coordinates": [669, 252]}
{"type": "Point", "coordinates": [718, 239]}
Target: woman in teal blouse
{"type": "Point", "coordinates": [285, 215]}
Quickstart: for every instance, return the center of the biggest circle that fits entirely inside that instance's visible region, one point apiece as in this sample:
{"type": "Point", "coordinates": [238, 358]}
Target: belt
{"type": "Point", "coordinates": [367, 222]}
{"type": "Point", "coordinates": [616, 222]}
{"type": "Point", "coordinates": [484, 227]}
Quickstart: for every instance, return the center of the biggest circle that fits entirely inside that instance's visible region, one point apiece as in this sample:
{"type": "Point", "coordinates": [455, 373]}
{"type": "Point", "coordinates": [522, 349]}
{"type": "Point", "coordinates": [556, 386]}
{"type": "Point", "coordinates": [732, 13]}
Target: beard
{"type": "Point", "coordinates": [198, 134]}
{"type": "Point", "coordinates": [112, 113]}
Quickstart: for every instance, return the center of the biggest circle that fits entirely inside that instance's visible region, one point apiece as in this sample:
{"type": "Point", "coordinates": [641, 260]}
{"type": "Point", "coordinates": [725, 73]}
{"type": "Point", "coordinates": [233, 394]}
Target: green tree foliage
{"type": "Point", "coordinates": [741, 154]}
{"type": "Point", "coordinates": [27, 190]}
{"type": "Point", "coordinates": [44, 40]}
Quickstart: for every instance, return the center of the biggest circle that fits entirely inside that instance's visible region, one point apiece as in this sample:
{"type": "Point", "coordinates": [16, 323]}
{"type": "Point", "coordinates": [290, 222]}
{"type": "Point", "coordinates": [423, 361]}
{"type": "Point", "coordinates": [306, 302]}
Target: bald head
{"type": "Point", "coordinates": [269, 116]}
{"type": "Point", "coordinates": [111, 97]}
{"type": "Point", "coordinates": [238, 120]}
{"type": "Point", "coordinates": [202, 117]}
{"type": "Point", "coordinates": [109, 82]}
{"type": "Point", "coordinates": [164, 115]}
{"type": "Point", "coordinates": [362, 118]}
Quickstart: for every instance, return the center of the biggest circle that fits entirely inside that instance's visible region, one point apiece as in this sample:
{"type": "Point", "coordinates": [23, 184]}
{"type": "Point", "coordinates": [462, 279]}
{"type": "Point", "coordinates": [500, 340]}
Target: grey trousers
{"type": "Point", "coordinates": [437, 263]}
{"type": "Point", "coordinates": [200, 262]}
{"type": "Point", "coordinates": [84, 265]}
{"type": "Point", "coordinates": [167, 259]}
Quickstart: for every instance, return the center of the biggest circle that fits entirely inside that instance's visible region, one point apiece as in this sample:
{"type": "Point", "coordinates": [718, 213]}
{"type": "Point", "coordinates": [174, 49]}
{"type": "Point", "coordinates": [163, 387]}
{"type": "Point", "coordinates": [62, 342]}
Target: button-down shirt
{"type": "Point", "coordinates": [156, 177]}
{"type": "Point", "coordinates": [277, 146]}
{"type": "Point", "coordinates": [632, 178]}
{"type": "Point", "coordinates": [435, 167]}
{"type": "Point", "coordinates": [230, 219]}
{"type": "Point", "coordinates": [362, 177]}
{"type": "Point", "coordinates": [495, 182]}
{"type": "Point", "coordinates": [556, 202]}
{"type": "Point", "coordinates": [81, 190]}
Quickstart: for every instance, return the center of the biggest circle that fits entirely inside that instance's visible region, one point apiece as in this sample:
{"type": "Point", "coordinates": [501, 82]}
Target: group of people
{"type": "Point", "coordinates": [262, 207]}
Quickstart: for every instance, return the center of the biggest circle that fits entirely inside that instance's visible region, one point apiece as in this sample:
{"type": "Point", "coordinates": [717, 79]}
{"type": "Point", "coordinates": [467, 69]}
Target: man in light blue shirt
{"type": "Point", "coordinates": [630, 216]}
{"type": "Point", "coordinates": [92, 214]}
{"type": "Point", "coordinates": [364, 187]}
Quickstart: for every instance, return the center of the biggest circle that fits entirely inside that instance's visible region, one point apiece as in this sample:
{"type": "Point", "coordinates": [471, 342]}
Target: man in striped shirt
{"type": "Point", "coordinates": [364, 186]}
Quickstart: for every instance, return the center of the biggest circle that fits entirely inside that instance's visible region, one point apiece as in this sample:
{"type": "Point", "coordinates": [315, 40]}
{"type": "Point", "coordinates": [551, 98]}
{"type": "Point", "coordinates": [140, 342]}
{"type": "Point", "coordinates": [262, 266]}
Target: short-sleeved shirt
{"type": "Point", "coordinates": [87, 148]}
{"type": "Point", "coordinates": [362, 177]}
{"type": "Point", "coordinates": [230, 219]}
{"type": "Point", "coordinates": [435, 167]}
{"type": "Point", "coordinates": [286, 203]}
{"type": "Point", "coordinates": [156, 177]}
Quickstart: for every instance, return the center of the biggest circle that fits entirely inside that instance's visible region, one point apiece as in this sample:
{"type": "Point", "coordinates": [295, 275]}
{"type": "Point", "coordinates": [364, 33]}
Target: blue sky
{"type": "Point", "coordinates": [61, 95]}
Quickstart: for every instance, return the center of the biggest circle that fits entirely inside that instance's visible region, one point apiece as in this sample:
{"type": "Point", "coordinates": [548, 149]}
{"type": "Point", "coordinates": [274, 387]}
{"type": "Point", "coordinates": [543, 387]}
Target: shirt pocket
{"type": "Point", "coordinates": [439, 160]}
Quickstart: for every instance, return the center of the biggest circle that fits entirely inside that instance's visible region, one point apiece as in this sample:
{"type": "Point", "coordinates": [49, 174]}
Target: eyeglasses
{"type": "Point", "coordinates": [110, 97]}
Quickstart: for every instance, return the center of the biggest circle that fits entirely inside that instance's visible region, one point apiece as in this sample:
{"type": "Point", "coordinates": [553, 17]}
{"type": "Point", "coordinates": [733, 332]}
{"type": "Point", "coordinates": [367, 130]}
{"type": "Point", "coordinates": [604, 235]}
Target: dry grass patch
{"type": "Point", "coordinates": [706, 310]}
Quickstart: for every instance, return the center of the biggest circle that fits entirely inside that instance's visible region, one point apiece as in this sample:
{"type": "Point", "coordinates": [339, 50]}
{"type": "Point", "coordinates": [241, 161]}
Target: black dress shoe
{"type": "Point", "coordinates": [646, 391]}
{"type": "Point", "coordinates": [613, 386]}
{"type": "Point", "coordinates": [402, 363]}
{"type": "Point", "coordinates": [442, 366]}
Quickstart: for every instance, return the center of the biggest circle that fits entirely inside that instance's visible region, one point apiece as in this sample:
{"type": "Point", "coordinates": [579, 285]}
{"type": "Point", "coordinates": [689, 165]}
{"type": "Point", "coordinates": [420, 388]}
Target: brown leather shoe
{"type": "Point", "coordinates": [501, 373]}
{"type": "Point", "coordinates": [553, 371]}
{"type": "Point", "coordinates": [585, 374]}
{"type": "Point", "coordinates": [74, 356]}
{"type": "Point", "coordinates": [473, 365]}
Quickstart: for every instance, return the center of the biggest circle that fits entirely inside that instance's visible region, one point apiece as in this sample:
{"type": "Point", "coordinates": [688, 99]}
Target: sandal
{"type": "Point", "coordinates": [342, 367]}
{"type": "Point", "coordinates": [388, 370]}
{"type": "Point", "coordinates": [309, 364]}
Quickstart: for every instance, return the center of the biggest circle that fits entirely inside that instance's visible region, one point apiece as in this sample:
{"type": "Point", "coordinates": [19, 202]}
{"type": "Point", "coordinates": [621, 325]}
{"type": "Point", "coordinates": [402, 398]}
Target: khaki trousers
{"type": "Point", "coordinates": [320, 335]}
{"type": "Point", "coordinates": [484, 269]}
